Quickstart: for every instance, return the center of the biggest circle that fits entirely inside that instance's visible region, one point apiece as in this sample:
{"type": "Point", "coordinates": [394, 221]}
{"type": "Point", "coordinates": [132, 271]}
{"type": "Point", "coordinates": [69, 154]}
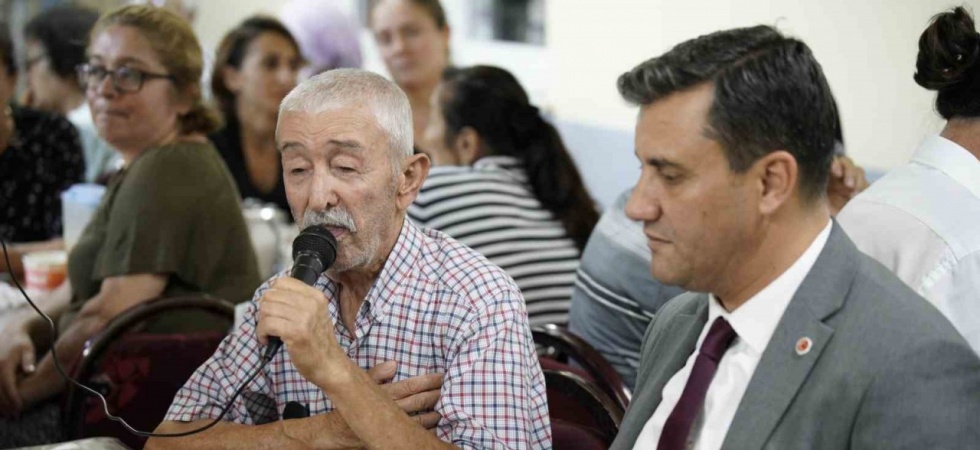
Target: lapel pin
{"type": "Point", "coordinates": [803, 346]}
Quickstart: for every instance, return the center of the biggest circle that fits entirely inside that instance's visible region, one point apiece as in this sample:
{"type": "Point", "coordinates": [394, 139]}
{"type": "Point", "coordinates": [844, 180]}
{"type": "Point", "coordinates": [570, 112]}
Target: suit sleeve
{"type": "Point", "coordinates": [928, 398]}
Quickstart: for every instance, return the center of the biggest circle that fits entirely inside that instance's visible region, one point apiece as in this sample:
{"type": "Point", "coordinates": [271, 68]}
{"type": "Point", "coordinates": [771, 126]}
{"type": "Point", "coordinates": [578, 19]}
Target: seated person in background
{"type": "Point", "coordinates": [40, 156]}
{"type": "Point", "coordinates": [798, 340]}
{"type": "Point", "coordinates": [55, 42]}
{"type": "Point", "coordinates": [327, 37]}
{"type": "Point", "coordinates": [255, 67]}
{"type": "Point", "coordinates": [169, 222]}
{"type": "Point", "coordinates": [615, 297]}
{"type": "Point", "coordinates": [412, 38]}
{"type": "Point", "coordinates": [922, 221]}
{"type": "Point", "coordinates": [398, 300]}
{"type": "Point", "coordinates": [506, 186]}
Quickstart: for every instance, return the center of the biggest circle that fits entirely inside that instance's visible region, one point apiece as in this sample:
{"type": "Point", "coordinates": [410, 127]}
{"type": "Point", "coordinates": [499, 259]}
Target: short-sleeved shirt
{"type": "Point", "coordinates": [436, 307]}
{"type": "Point", "coordinates": [173, 211]}
{"type": "Point", "coordinates": [42, 160]}
{"type": "Point", "coordinates": [491, 207]}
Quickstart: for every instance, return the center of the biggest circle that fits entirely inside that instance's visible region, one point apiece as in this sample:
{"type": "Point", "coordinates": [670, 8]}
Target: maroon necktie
{"type": "Point", "coordinates": [678, 425]}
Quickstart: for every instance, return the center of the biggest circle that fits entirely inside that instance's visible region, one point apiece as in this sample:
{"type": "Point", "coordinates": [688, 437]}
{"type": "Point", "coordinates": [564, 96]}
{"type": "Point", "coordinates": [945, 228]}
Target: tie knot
{"type": "Point", "coordinates": [719, 337]}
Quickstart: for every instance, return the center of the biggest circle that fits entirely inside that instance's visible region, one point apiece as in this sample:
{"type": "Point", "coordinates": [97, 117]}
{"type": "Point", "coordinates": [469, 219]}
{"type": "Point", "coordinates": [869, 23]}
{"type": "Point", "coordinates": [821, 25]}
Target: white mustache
{"type": "Point", "coordinates": [336, 217]}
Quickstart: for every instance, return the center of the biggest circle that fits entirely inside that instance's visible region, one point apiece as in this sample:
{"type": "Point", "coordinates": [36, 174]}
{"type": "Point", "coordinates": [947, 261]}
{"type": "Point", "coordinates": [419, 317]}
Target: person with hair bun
{"type": "Point", "coordinates": [169, 222]}
{"type": "Point", "coordinates": [506, 186]}
{"type": "Point", "coordinates": [922, 221]}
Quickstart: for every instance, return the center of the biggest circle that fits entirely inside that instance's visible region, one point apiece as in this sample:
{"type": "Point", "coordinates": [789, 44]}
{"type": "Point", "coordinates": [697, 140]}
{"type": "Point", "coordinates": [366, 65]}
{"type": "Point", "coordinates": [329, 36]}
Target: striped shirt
{"type": "Point", "coordinates": [490, 207]}
{"type": "Point", "coordinates": [436, 307]}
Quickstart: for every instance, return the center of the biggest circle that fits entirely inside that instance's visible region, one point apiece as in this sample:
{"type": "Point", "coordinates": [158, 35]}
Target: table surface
{"type": "Point", "coordinates": [101, 443]}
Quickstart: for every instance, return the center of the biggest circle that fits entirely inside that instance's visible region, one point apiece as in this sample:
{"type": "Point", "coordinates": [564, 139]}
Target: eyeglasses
{"type": "Point", "coordinates": [124, 79]}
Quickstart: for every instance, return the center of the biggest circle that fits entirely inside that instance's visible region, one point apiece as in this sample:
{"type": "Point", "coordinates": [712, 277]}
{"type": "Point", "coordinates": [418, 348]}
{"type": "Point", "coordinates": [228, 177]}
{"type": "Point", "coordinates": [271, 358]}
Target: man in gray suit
{"type": "Point", "coordinates": [803, 342]}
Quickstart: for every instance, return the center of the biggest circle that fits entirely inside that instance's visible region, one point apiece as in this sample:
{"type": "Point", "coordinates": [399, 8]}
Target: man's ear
{"type": "Point", "coordinates": [778, 174]}
{"type": "Point", "coordinates": [415, 169]}
{"type": "Point", "coordinates": [467, 146]}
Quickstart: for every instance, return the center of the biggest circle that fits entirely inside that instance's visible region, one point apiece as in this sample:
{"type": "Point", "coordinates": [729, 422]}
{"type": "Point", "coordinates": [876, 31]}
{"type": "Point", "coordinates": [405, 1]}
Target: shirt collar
{"type": "Point", "coordinates": [397, 269]}
{"type": "Point", "coordinates": [501, 161]}
{"type": "Point", "coordinates": [950, 158]}
{"type": "Point", "coordinates": [756, 320]}
{"type": "Point", "coordinates": [393, 277]}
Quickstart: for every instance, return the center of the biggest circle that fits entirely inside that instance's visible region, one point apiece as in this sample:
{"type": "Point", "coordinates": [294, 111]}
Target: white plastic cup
{"type": "Point", "coordinates": [78, 204]}
{"type": "Point", "coordinates": [45, 271]}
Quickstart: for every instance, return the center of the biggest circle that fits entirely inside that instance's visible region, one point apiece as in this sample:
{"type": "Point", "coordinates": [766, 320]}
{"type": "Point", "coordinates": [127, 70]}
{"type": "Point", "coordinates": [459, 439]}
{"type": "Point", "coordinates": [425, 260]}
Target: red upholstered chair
{"type": "Point", "coordinates": [559, 348]}
{"type": "Point", "coordinates": [139, 372]}
{"type": "Point", "coordinates": [582, 415]}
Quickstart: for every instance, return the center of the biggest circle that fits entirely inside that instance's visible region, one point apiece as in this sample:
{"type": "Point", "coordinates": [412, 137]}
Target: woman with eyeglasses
{"type": "Point", "coordinates": [256, 66]}
{"type": "Point", "coordinates": [169, 223]}
{"type": "Point", "coordinates": [54, 45]}
{"type": "Point", "coordinates": [40, 156]}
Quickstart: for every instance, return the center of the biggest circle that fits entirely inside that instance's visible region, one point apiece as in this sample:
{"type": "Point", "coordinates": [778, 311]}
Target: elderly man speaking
{"type": "Point", "coordinates": [398, 304]}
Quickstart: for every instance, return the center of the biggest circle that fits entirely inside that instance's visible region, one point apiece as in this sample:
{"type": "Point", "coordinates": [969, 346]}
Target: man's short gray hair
{"type": "Point", "coordinates": [341, 88]}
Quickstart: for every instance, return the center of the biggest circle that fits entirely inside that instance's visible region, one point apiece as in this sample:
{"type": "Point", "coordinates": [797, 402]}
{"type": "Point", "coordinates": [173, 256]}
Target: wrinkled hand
{"type": "Point", "coordinates": [16, 361]}
{"type": "Point", "coordinates": [416, 396]}
{"type": "Point", "coordinates": [298, 315]}
{"type": "Point", "coordinates": [846, 180]}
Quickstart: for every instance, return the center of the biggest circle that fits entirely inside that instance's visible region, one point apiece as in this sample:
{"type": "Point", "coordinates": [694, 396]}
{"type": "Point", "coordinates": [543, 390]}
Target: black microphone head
{"type": "Point", "coordinates": [318, 240]}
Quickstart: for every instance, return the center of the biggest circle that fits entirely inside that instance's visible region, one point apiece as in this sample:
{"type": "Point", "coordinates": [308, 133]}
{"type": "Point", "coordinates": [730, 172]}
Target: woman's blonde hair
{"type": "Point", "coordinates": [174, 42]}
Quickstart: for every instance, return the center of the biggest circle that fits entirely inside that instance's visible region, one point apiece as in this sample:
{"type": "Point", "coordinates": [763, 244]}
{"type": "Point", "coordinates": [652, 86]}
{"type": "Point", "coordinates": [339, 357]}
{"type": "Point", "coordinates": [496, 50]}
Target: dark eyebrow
{"type": "Point", "coordinates": [661, 163]}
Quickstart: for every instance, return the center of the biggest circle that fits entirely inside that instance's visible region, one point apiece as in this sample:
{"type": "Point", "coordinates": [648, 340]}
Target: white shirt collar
{"type": "Point", "coordinates": [952, 159]}
{"type": "Point", "coordinates": [756, 320]}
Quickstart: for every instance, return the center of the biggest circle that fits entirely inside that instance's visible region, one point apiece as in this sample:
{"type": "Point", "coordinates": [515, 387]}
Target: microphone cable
{"type": "Point", "coordinates": [105, 404]}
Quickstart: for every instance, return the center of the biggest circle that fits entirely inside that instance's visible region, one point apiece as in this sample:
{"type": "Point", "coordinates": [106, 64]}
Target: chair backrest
{"type": "Point", "coordinates": [578, 408]}
{"type": "Point", "coordinates": [568, 436]}
{"type": "Point", "coordinates": [139, 372]}
{"type": "Point", "coordinates": [559, 344]}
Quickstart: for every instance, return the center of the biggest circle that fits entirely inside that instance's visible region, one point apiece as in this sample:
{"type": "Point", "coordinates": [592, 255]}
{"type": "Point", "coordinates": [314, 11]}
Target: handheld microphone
{"type": "Point", "coordinates": [314, 250]}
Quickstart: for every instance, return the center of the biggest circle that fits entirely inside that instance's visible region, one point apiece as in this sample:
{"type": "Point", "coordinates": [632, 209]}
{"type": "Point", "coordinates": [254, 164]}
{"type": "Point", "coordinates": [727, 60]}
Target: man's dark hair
{"type": "Point", "coordinates": [7, 51]}
{"type": "Point", "coordinates": [63, 33]}
{"type": "Point", "coordinates": [770, 94]}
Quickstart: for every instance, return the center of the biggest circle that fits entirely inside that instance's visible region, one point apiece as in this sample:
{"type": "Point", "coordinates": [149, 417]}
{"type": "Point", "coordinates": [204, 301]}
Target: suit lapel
{"type": "Point", "coordinates": [670, 352]}
{"type": "Point", "coordinates": [782, 369]}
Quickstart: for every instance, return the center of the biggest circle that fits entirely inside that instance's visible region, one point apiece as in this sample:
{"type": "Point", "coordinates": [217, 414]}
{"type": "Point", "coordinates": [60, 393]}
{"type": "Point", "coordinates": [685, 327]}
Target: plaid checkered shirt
{"type": "Point", "coordinates": [436, 307]}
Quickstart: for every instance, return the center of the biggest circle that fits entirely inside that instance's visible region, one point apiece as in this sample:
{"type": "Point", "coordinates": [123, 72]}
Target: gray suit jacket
{"type": "Point", "coordinates": [886, 370]}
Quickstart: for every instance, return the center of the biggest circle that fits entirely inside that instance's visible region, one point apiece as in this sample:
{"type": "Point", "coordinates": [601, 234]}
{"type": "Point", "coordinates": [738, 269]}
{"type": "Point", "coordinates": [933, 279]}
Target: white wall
{"type": "Point", "coordinates": [867, 49]}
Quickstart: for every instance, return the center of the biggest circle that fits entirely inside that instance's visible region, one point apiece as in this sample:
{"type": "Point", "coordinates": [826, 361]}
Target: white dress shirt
{"type": "Point", "coordinates": [754, 321]}
{"type": "Point", "coordinates": [922, 221]}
